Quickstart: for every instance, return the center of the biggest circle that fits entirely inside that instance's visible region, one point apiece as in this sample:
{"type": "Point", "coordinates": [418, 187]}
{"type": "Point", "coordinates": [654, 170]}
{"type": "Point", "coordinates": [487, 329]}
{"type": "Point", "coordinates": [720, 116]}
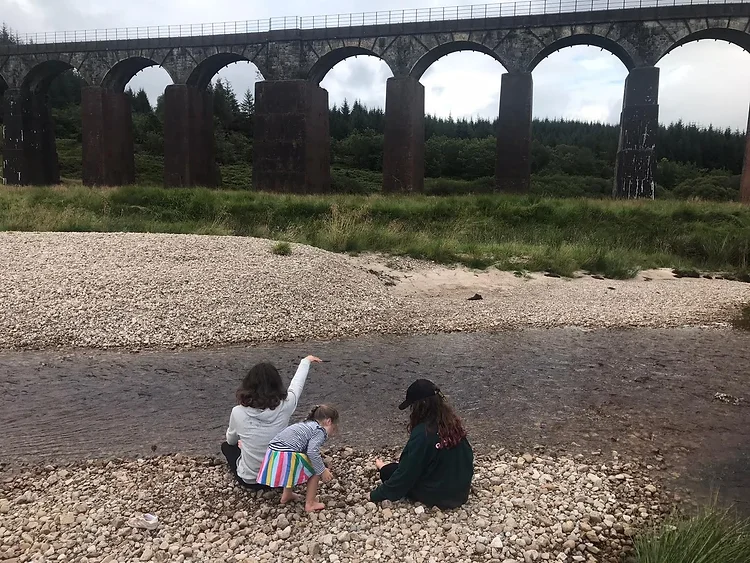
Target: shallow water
{"type": "Point", "coordinates": [647, 393]}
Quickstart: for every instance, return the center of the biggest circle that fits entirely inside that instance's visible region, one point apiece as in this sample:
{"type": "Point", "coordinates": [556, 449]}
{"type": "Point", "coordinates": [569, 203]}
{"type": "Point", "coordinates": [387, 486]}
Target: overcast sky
{"type": "Point", "coordinates": [576, 83]}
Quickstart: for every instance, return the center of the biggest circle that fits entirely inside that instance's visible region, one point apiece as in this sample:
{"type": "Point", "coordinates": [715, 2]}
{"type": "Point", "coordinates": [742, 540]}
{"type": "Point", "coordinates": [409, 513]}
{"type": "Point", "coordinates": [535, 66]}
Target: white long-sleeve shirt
{"type": "Point", "coordinates": [256, 428]}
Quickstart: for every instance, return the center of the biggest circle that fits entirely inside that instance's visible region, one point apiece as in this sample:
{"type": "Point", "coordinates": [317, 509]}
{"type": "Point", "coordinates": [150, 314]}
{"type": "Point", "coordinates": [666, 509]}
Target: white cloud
{"type": "Point", "coordinates": [706, 82]}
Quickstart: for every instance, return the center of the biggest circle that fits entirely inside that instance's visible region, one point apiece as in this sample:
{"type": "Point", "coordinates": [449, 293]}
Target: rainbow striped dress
{"type": "Point", "coordinates": [293, 456]}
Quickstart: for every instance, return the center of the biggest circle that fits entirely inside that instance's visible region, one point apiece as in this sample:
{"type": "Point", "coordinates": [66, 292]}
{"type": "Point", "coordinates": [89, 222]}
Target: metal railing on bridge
{"type": "Point", "coordinates": [392, 17]}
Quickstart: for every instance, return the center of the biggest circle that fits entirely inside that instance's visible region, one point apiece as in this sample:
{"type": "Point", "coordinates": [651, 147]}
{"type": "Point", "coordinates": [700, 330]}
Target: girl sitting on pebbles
{"type": "Point", "coordinates": [264, 409]}
{"type": "Point", "coordinates": [293, 457]}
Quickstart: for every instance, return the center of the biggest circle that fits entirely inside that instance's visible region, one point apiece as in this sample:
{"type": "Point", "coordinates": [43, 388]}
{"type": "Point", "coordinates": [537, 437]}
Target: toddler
{"type": "Point", "coordinates": [293, 457]}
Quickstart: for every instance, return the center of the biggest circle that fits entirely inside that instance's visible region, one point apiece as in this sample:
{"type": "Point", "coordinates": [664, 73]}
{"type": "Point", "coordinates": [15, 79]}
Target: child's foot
{"type": "Point", "coordinates": [289, 496]}
{"type": "Point", "coordinates": [314, 506]}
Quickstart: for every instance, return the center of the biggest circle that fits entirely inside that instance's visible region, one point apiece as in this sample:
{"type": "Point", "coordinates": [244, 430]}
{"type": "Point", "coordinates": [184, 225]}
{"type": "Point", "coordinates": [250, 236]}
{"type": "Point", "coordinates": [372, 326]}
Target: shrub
{"type": "Point", "coordinates": [282, 249]}
{"type": "Point", "coordinates": [709, 188]}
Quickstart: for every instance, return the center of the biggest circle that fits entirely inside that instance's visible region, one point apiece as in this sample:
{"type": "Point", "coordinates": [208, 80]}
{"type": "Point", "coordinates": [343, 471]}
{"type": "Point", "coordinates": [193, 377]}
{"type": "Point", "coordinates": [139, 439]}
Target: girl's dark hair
{"type": "Point", "coordinates": [261, 388]}
{"type": "Point", "coordinates": [320, 413]}
{"type": "Point", "coordinates": [438, 416]}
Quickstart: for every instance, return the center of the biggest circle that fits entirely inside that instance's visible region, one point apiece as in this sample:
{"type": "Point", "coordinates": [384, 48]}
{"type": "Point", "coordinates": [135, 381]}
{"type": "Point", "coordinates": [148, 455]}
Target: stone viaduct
{"type": "Point", "coordinates": [291, 150]}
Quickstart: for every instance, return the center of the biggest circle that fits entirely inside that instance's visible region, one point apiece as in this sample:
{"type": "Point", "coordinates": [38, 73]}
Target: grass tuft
{"type": "Point", "coordinates": [282, 249]}
{"type": "Point", "coordinates": [714, 535]}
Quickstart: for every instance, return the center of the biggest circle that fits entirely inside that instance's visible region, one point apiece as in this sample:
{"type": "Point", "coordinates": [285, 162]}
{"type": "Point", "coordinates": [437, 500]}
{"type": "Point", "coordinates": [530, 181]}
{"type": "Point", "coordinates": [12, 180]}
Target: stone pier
{"type": "Point", "coordinates": [189, 147]}
{"type": "Point", "coordinates": [30, 154]}
{"type": "Point", "coordinates": [403, 141]}
{"type": "Point", "coordinates": [639, 125]}
{"type": "Point", "coordinates": [745, 181]}
{"type": "Point", "coordinates": [107, 138]}
{"type": "Point", "coordinates": [513, 163]}
{"type": "Point", "coordinates": [291, 145]}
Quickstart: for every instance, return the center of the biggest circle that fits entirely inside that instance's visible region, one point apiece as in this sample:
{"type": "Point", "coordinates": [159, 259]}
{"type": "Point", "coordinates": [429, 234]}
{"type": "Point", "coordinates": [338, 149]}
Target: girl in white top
{"type": "Point", "coordinates": [264, 410]}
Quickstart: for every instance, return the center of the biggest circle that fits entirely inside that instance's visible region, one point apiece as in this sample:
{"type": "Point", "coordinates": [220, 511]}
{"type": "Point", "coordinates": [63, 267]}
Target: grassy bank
{"type": "Point", "coordinates": [611, 238]}
{"type": "Point", "coordinates": [712, 536]}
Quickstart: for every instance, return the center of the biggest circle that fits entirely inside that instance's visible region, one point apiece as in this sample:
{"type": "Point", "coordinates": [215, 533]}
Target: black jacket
{"type": "Point", "coordinates": [432, 476]}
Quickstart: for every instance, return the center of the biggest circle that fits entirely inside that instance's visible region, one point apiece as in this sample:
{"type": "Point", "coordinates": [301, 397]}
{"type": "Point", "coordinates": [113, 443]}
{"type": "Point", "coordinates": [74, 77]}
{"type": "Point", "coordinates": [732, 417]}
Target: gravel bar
{"type": "Point", "coordinates": [136, 291]}
{"type": "Point", "coordinates": [523, 508]}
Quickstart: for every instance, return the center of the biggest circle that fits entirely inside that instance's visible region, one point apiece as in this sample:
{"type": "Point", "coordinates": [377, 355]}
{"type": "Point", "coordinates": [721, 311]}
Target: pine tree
{"type": "Point", "coordinates": [139, 102]}
{"type": "Point", "coordinates": [226, 107]}
{"type": "Point", "coordinates": [248, 104]}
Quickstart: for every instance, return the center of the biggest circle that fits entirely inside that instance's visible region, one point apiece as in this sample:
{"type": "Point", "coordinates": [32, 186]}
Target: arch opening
{"type": "Point", "coordinates": [432, 56]}
{"type": "Point", "coordinates": [703, 110]}
{"type": "Point", "coordinates": [356, 89]}
{"type": "Point", "coordinates": [41, 76]}
{"type": "Point", "coordinates": [120, 75]}
{"type": "Point", "coordinates": [738, 38]}
{"type": "Point", "coordinates": [603, 43]}
{"type": "Point", "coordinates": [581, 83]}
{"type": "Point", "coordinates": [206, 71]}
{"type": "Point", "coordinates": [578, 95]}
{"type": "Point", "coordinates": [697, 71]}
{"type": "Point", "coordinates": [233, 89]}
{"type": "Point", "coordinates": [462, 100]}
{"type": "Point", "coordinates": [147, 85]}
{"type": "Point", "coordinates": [325, 64]}
{"type": "Point", "coordinates": [146, 92]}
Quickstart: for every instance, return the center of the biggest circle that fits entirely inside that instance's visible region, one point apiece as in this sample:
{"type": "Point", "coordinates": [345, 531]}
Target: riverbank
{"type": "Point", "coordinates": [612, 238]}
{"type": "Point", "coordinates": [140, 291]}
{"type": "Point", "coordinates": [523, 507]}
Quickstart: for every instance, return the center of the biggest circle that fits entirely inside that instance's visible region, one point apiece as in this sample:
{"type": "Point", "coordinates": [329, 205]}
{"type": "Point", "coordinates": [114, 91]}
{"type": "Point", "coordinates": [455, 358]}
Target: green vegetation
{"type": "Point", "coordinates": [282, 249]}
{"type": "Point", "coordinates": [712, 536]}
{"type": "Point", "coordinates": [561, 236]}
{"type": "Point", "coordinates": [569, 159]}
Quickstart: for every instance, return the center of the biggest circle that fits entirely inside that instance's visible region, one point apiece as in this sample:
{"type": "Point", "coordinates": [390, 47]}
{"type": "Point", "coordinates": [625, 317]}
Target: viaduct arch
{"type": "Point", "coordinates": [291, 146]}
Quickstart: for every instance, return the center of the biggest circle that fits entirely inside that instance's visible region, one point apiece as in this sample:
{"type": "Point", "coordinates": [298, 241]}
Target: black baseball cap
{"type": "Point", "coordinates": [420, 389]}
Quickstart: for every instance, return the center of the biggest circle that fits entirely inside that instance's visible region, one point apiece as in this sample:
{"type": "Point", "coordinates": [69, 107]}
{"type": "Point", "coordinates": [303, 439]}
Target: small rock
{"type": "Point", "coordinates": [67, 519]}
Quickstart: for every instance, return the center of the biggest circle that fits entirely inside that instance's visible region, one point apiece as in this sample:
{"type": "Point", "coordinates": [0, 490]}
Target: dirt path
{"type": "Point", "coordinates": [640, 392]}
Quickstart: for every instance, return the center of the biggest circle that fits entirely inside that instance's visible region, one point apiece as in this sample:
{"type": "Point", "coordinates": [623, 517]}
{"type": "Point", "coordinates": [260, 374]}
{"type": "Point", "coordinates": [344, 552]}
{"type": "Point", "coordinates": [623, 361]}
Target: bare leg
{"type": "Point", "coordinates": [311, 501]}
{"type": "Point", "coordinates": [289, 496]}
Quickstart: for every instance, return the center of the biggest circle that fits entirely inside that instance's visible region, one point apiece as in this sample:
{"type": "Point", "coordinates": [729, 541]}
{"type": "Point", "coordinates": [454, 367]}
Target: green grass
{"type": "Point", "coordinates": [516, 233]}
{"type": "Point", "coordinates": [712, 536]}
{"type": "Point", "coordinates": [282, 249]}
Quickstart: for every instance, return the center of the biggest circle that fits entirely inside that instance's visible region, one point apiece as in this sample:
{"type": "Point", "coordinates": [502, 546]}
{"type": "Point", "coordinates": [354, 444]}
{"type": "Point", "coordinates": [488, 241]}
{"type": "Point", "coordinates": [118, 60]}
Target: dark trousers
{"type": "Point", "coordinates": [233, 453]}
{"type": "Point", "coordinates": [387, 471]}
